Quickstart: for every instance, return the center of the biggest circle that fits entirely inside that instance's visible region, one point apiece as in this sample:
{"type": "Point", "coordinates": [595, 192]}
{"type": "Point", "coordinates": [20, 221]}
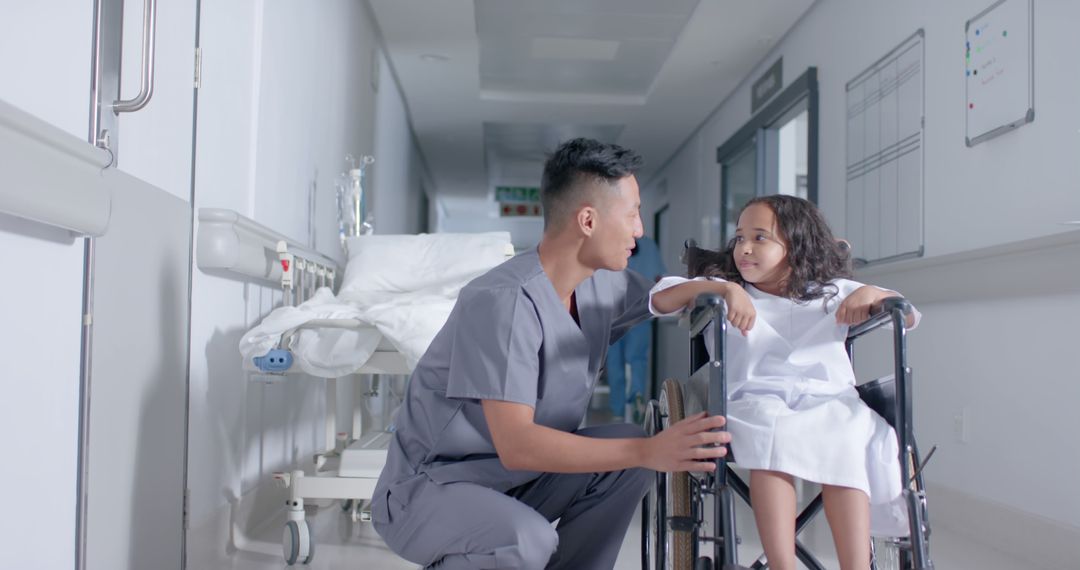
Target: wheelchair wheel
{"type": "Point", "coordinates": [652, 510]}
{"type": "Point", "coordinates": [672, 549]}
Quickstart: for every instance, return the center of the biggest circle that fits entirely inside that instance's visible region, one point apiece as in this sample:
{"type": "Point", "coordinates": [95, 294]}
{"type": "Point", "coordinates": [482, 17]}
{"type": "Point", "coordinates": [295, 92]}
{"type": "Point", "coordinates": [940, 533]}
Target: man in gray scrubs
{"type": "Point", "coordinates": [487, 451]}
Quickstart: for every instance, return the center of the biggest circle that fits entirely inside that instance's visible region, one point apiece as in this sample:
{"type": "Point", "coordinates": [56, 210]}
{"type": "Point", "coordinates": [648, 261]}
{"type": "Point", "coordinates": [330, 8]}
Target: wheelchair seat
{"type": "Point", "coordinates": [880, 396]}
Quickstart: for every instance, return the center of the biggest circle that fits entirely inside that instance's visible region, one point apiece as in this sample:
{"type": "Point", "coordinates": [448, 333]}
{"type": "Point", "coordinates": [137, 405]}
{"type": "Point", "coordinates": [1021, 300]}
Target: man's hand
{"type": "Point", "coordinates": [740, 309]}
{"type": "Point", "coordinates": [680, 446]}
{"type": "Point", "coordinates": [858, 306]}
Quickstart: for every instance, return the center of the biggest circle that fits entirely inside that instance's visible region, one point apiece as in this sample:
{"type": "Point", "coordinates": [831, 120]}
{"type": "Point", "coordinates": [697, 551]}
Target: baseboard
{"type": "Point", "coordinates": [1043, 542]}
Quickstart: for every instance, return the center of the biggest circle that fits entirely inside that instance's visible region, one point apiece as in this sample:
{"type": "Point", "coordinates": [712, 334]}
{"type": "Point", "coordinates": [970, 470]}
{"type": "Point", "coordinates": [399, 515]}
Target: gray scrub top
{"type": "Point", "coordinates": [509, 338]}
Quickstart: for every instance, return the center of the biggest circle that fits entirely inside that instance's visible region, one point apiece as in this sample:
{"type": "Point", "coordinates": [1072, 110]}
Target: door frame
{"type": "Point", "coordinates": [756, 131]}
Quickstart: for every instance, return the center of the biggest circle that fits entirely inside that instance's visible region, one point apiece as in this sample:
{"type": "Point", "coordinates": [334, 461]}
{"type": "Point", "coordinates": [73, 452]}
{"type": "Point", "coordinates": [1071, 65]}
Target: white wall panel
{"type": "Point", "coordinates": [138, 383]}
{"type": "Point", "coordinates": [398, 172]}
{"type": "Point", "coordinates": [45, 71]}
{"type": "Point", "coordinates": [155, 142]}
{"type": "Point", "coordinates": [46, 63]}
{"type": "Point", "coordinates": [39, 376]}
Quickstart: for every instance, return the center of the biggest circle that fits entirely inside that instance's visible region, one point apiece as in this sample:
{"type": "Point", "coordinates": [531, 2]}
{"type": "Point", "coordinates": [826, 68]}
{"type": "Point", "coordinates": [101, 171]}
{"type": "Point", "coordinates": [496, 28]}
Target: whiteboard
{"type": "Point", "coordinates": [998, 53]}
{"type": "Point", "coordinates": [884, 174]}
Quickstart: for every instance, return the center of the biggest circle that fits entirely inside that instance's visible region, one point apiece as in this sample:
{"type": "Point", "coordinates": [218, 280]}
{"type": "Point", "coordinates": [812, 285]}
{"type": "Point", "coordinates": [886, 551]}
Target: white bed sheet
{"type": "Point", "coordinates": [323, 352]}
{"type": "Point", "coordinates": [403, 287]}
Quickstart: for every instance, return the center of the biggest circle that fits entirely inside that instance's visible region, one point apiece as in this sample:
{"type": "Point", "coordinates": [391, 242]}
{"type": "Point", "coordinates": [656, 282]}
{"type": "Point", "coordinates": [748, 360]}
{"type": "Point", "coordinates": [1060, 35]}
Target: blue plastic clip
{"type": "Point", "coordinates": [277, 360]}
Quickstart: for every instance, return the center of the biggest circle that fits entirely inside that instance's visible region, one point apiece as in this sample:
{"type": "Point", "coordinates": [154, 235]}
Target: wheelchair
{"type": "Point", "coordinates": [674, 525]}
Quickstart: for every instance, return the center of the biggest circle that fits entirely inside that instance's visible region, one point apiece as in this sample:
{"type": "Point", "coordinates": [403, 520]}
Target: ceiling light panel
{"type": "Point", "coordinates": [535, 141]}
{"type": "Point", "coordinates": [613, 47]}
{"type": "Point", "coordinates": [574, 49]}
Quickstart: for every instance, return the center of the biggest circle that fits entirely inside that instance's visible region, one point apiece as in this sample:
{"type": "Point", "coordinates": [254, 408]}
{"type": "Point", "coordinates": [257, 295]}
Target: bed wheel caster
{"type": "Point", "coordinates": [296, 543]}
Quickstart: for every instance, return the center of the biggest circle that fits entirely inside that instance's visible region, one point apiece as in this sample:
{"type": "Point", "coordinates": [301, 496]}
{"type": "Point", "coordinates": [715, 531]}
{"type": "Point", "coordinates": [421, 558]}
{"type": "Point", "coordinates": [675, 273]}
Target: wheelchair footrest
{"type": "Point", "coordinates": [682, 524]}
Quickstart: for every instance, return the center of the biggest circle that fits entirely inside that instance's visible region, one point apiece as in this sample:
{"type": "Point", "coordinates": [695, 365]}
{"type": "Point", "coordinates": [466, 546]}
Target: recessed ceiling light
{"type": "Point", "coordinates": [434, 57]}
{"type": "Point", "coordinates": [580, 49]}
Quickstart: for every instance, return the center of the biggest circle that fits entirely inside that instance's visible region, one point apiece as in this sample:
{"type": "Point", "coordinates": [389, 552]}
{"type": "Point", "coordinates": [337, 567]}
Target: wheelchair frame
{"type": "Point", "coordinates": [723, 483]}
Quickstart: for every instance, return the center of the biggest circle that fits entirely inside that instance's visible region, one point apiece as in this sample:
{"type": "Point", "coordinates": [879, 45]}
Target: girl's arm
{"type": "Point", "coordinates": [667, 298]}
{"type": "Point", "coordinates": [865, 301]}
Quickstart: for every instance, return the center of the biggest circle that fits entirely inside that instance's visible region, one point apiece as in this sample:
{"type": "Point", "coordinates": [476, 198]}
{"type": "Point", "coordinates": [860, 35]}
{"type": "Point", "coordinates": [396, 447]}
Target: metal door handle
{"type": "Point", "coordinates": [146, 81]}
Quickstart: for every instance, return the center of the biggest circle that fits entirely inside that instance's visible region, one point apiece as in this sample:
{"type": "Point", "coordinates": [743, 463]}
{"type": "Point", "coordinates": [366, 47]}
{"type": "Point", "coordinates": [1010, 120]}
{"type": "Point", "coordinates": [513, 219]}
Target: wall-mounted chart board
{"type": "Point", "coordinates": [998, 51]}
{"type": "Point", "coordinates": [885, 156]}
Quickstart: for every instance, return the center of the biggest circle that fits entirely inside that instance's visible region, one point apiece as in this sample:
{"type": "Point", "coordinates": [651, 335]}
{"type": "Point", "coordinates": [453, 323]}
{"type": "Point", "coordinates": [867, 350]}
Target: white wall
{"type": "Point", "coordinates": [39, 346]}
{"type": "Point", "coordinates": [470, 215]}
{"type": "Point", "coordinates": [398, 176]}
{"type": "Point", "coordinates": [286, 95]}
{"type": "Point", "coordinates": [51, 78]}
{"type": "Point", "coordinates": [978, 356]}
{"type": "Point", "coordinates": [39, 376]}
{"type": "Point", "coordinates": [155, 142]}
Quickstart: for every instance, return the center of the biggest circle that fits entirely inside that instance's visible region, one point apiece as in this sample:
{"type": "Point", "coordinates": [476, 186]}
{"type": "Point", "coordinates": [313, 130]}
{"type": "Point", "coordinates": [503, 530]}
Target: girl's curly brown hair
{"type": "Point", "coordinates": [814, 255]}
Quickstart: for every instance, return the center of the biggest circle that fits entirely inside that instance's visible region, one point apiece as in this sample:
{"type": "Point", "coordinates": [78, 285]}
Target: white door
{"type": "Point", "coordinates": [138, 383]}
{"type": "Point", "coordinates": [133, 479]}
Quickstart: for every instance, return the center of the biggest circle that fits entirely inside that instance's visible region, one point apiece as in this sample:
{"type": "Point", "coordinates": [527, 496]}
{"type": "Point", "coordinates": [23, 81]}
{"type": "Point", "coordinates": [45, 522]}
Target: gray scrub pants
{"type": "Point", "coordinates": [464, 525]}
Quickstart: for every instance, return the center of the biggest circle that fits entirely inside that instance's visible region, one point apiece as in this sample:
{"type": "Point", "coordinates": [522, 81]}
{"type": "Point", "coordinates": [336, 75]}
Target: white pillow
{"type": "Point", "coordinates": [385, 267]}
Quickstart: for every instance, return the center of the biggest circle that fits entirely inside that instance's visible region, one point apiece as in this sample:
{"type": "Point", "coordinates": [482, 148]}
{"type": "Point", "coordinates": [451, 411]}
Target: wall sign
{"type": "Point", "coordinates": [767, 85]}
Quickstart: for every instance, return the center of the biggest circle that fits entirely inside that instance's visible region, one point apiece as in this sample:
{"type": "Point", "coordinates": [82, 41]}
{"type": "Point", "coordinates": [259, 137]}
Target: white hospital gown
{"type": "Point", "coordinates": [793, 408]}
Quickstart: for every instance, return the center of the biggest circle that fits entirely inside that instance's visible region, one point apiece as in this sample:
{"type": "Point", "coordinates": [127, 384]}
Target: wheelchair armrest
{"type": "Point", "coordinates": [706, 307]}
{"type": "Point", "coordinates": [893, 310]}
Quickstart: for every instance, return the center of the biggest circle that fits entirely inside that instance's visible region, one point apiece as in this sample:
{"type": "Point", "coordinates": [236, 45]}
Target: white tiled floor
{"type": "Point", "coordinates": [342, 544]}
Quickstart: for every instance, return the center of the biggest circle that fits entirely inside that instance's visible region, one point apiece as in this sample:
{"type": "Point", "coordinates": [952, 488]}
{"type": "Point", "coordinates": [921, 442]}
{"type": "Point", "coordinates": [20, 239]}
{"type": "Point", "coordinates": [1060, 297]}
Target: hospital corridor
{"type": "Point", "coordinates": [526, 284]}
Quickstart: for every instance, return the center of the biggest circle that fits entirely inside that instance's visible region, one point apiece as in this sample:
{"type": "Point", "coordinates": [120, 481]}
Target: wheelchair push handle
{"type": "Point", "coordinates": [707, 306]}
{"type": "Point", "coordinates": [893, 310]}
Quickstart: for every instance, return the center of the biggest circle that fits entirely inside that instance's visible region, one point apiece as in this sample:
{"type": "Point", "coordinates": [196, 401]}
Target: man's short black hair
{"type": "Point", "coordinates": [577, 166]}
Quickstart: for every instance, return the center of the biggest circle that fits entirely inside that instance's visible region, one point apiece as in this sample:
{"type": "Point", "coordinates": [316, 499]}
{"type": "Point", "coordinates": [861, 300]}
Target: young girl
{"type": "Point", "coordinates": [793, 410]}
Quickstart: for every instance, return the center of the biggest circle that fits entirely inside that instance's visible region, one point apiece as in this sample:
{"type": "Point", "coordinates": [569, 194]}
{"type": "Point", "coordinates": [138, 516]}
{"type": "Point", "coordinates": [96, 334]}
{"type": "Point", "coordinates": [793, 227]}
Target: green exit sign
{"type": "Point", "coordinates": [517, 194]}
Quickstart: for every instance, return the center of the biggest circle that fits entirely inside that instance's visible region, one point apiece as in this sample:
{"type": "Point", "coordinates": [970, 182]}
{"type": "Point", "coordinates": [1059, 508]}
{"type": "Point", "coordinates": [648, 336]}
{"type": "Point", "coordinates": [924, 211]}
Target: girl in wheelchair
{"type": "Point", "coordinates": [793, 411]}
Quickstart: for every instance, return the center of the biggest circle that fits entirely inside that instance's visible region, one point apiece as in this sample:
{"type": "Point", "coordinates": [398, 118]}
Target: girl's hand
{"type": "Point", "coordinates": [740, 309]}
{"type": "Point", "coordinates": [858, 306]}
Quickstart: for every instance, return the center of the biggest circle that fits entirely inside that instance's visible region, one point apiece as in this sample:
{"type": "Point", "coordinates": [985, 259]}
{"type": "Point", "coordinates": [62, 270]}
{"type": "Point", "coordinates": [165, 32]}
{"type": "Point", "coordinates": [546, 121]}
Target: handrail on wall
{"type": "Point", "coordinates": [51, 176]}
{"type": "Point", "coordinates": [231, 242]}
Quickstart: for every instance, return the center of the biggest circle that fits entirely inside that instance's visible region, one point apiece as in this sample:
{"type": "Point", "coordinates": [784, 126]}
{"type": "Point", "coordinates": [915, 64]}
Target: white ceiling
{"type": "Point", "coordinates": [493, 85]}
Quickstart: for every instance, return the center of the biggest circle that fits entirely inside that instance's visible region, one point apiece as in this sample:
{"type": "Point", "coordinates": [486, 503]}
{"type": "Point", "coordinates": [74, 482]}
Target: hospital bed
{"type": "Point", "coordinates": [394, 296]}
{"type": "Point", "coordinates": [674, 519]}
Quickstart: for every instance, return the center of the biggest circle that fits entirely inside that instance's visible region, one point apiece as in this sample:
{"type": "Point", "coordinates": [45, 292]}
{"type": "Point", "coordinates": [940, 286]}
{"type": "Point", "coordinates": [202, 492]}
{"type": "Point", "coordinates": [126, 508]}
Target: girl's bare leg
{"type": "Point", "coordinates": [848, 512]}
{"type": "Point", "coordinates": [773, 496]}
